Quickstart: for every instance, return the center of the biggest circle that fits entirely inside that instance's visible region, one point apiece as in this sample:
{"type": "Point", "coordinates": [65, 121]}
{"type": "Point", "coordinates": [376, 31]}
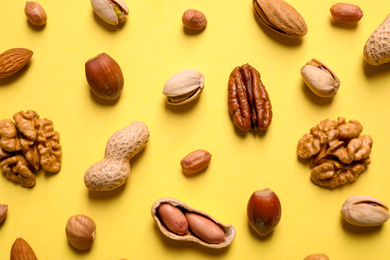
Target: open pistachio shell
{"type": "Point", "coordinates": [183, 87]}
{"type": "Point", "coordinates": [229, 230]}
{"type": "Point", "coordinates": [111, 11]}
{"type": "Point", "coordinates": [320, 79]}
{"type": "Point", "coordinates": [363, 210]}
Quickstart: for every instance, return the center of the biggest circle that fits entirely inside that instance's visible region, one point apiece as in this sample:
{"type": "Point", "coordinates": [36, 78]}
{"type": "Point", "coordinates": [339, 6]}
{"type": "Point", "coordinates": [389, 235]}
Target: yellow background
{"type": "Point", "coordinates": [150, 47]}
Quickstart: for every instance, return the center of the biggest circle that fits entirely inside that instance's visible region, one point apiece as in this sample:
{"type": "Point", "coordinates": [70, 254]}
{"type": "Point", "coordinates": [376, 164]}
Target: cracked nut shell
{"type": "Point", "coordinates": [111, 11]}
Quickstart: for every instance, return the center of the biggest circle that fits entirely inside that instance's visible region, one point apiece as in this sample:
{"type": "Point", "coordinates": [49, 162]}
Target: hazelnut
{"type": "Point", "coordinates": [264, 211]}
{"type": "Point", "coordinates": [35, 13]}
{"type": "Point", "coordinates": [194, 19]}
{"type": "Point", "coordinates": [80, 231]}
{"type": "Point", "coordinates": [104, 76]}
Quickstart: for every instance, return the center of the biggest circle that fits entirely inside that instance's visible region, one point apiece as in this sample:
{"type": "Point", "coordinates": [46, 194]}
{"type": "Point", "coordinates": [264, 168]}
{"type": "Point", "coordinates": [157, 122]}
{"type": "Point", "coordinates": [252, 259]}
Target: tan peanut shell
{"type": "Point", "coordinates": [229, 230]}
{"type": "Point", "coordinates": [114, 169]}
{"type": "Point", "coordinates": [377, 48]}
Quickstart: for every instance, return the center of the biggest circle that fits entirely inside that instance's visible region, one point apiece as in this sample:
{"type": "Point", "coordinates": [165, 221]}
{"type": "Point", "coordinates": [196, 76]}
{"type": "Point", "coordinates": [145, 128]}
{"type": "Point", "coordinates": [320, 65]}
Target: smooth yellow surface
{"type": "Point", "coordinates": [150, 47]}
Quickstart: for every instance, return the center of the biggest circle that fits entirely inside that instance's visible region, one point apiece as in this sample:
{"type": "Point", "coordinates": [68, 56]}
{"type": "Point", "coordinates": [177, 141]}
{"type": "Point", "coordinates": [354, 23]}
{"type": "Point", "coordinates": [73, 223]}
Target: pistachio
{"type": "Point", "coordinates": [184, 87]}
{"type": "Point", "coordinates": [320, 78]}
{"type": "Point", "coordinates": [111, 11]}
{"type": "Point", "coordinates": [363, 210]}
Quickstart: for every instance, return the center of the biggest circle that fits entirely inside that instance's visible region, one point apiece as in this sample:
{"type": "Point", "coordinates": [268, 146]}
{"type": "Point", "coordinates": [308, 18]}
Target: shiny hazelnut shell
{"type": "Point", "coordinates": [264, 211]}
{"type": "Point", "coordinates": [104, 76]}
{"type": "Point", "coordinates": [80, 231]}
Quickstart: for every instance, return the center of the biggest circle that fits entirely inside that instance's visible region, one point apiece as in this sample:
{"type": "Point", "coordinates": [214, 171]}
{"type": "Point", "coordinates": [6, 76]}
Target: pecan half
{"type": "Point", "coordinates": [248, 100]}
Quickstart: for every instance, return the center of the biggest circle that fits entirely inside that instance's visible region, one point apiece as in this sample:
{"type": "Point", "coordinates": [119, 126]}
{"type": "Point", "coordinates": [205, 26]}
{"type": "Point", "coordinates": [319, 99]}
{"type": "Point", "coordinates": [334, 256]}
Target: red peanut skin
{"type": "Point", "coordinates": [205, 228]}
{"type": "Point", "coordinates": [173, 219]}
{"type": "Point", "coordinates": [346, 13]}
{"type": "Point", "coordinates": [264, 211]}
{"type": "Point", "coordinates": [195, 161]}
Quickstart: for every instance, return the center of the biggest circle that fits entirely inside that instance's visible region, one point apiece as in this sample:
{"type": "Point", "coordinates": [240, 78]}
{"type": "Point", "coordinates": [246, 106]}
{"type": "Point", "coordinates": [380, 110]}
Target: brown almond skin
{"type": "Point", "coordinates": [21, 250]}
{"type": "Point", "coordinates": [104, 76]}
{"type": "Point", "coordinates": [13, 60]}
{"type": "Point", "coordinates": [264, 211]}
{"type": "Point", "coordinates": [173, 219]}
{"type": "Point", "coordinates": [205, 228]}
{"type": "Point", "coordinates": [346, 13]}
{"type": "Point", "coordinates": [195, 161]}
{"type": "Point", "coordinates": [3, 212]}
{"type": "Point", "coordinates": [194, 19]}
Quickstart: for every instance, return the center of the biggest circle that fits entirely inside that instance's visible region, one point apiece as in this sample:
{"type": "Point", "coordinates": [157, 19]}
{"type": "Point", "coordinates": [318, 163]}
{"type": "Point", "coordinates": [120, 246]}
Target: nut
{"type": "Point", "coordinates": [111, 11]}
{"type": "Point", "coordinates": [205, 229]}
{"type": "Point", "coordinates": [320, 78]}
{"type": "Point", "coordinates": [80, 231]}
{"type": "Point", "coordinates": [264, 211]}
{"type": "Point", "coordinates": [338, 153]}
{"type": "Point", "coordinates": [195, 161]}
{"type": "Point", "coordinates": [363, 210]}
{"type": "Point", "coordinates": [280, 17]}
{"type": "Point", "coordinates": [316, 257]}
{"type": "Point", "coordinates": [194, 19]}
{"type": "Point", "coordinates": [13, 60]}
{"type": "Point", "coordinates": [114, 169]}
{"type": "Point", "coordinates": [104, 76]}
{"type": "Point", "coordinates": [21, 250]}
{"type": "Point", "coordinates": [248, 100]}
{"type": "Point", "coordinates": [35, 13]}
{"type": "Point", "coordinates": [200, 235]}
{"type": "Point", "coordinates": [377, 47]}
{"type": "Point", "coordinates": [346, 13]}
{"type": "Point", "coordinates": [183, 87]}
{"type": "Point", "coordinates": [172, 217]}
{"type": "Point", "coordinates": [3, 212]}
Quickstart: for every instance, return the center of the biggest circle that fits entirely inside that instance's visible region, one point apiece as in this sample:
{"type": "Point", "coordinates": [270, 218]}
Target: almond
{"type": "Point", "coordinates": [13, 60]}
{"type": "Point", "coordinates": [3, 212]}
{"type": "Point", "coordinates": [21, 250]}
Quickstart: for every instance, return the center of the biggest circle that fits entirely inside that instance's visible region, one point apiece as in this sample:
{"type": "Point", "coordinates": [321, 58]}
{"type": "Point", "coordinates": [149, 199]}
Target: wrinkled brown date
{"type": "Point", "coordinates": [248, 100]}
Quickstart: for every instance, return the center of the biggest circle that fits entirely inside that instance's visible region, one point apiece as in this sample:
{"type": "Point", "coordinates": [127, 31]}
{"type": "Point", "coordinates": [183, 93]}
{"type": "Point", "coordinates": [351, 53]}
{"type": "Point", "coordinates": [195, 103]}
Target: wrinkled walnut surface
{"type": "Point", "coordinates": [27, 145]}
{"type": "Point", "coordinates": [248, 100]}
{"type": "Point", "coordinates": [338, 153]}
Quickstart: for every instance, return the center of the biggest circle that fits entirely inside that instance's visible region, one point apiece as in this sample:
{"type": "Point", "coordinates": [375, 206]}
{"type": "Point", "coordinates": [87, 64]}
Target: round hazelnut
{"type": "Point", "coordinates": [194, 19]}
{"type": "Point", "coordinates": [80, 231]}
{"type": "Point", "coordinates": [264, 211]}
{"type": "Point", "coordinates": [104, 76]}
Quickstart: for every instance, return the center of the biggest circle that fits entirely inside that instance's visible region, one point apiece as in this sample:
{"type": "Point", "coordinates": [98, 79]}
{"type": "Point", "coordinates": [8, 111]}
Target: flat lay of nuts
{"type": "Point", "coordinates": [111, 11]}
{"type": "Point", "coordinates": [363, 210]}
{"type": "Point", "coordinates": [264, 211]}
{"type": "Point", "coordinates": [195, 161]}
{"type": "Point", "coordinates": [338, 153]}
{"type": "Point", "coordinates": [28, 144]}
{"type": "Point", "coordinates": [280, 17]}
{"type": "Point", "coordinates": [377, 47]}
{"type": "Point", "coordinates": [3, 212]}
{"type": "Point", "coordinates": [173, 218]}
{"type": "Point", "coordinates": [21, 250]}
{"type": "Point", "coordinates": [80, 231]}
{"type": "Point", "coordinates": [13, 60]}
{"type": "Point", "coordinates": [35, 13]}
{"type": "Point", "coordinates": [194, 19]}
{"type": "Point", "coordinates": [320, 78]}
{"type": "Point", "coordinates": [203, 228]}
{"type": "Point", "coordinates": [183, 87]}
{"type": "Point", "coordinates": [114, 169]}
{"type": "Point", "coordinates": [316, 257]}
{"type": "Point", "coordinates": [248, 100]}
{"type": "Point", "coordinates": [104, 76]}
{"type": "Point", "coordinates": [346, 13]}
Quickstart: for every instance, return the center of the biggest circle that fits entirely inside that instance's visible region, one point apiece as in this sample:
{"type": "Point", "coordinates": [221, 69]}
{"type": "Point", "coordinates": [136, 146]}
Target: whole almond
{"type": "Point", "coordinates": [194, 19]}
{"type": "Point", "coordinates": [195, 161]}
{"type": "Point", "coordinates": [346, 13]}
{"type": "Point", "coordinates": [173, 218]}
{"type": "Point", "coordinates": [21, 250]}
{"type": "Point", "coordinates": [280, 17]}
{"type": "Point", "coordinates": [3, 212]}
{"type": "Point", "coordinates": [205, 228]}
{"type": "Point", "coordinates": [13, 60]}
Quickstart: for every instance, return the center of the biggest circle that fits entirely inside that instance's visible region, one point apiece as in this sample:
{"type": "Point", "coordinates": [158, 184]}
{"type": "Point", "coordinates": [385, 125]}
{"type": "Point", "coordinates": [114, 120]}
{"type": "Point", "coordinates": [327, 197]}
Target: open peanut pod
{"type": "Point", "coordinates": [196, 233]}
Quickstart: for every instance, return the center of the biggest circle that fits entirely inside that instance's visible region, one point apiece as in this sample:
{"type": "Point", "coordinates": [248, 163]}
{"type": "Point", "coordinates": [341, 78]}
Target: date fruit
{"type": "Point", "coordinates": [264, 211]}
